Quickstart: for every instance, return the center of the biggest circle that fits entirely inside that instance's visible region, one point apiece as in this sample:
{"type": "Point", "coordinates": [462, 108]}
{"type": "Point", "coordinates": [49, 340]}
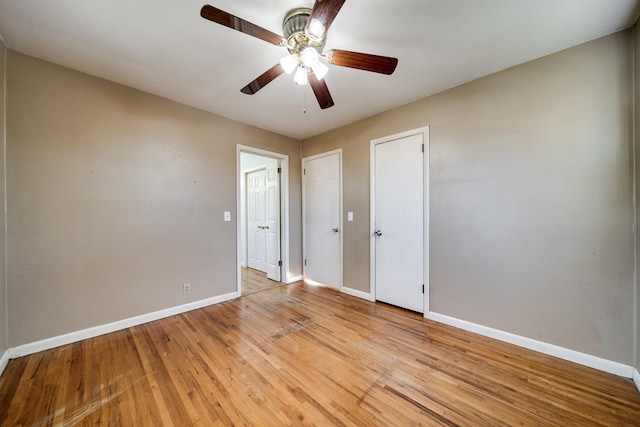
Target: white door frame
{"type": "Point", "coordinates": [424, 131]}
{"type": "Point", "coordinates": [304, 225]}
{"type": "Point", "coordinates": [285, 276]}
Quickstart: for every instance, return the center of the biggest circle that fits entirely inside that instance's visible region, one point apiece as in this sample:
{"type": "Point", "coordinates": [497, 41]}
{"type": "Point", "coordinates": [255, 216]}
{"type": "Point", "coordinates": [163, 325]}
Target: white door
{"type": "Point", "coordinates": [256, 219]}
{"type": "Point", "coordinates": [322, 213]}
{"type": "Point", "coordinates": [399, 222]}
{"type": "Point", "coordinates": [272, 223]}
{"type": "Point", "coordinates": [263, 221]}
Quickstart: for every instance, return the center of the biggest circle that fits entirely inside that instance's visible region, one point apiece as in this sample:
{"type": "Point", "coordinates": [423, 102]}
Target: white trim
{"type": "Point", "coordinates": [424, 131]}
{"type": "Point", "coordinates": [340, 208]}
{"type": "Point", "coordinates": [427, 219]}
{"type": "Point", "coordinates": [285, 276]}
{"type": "Point", "coordinates": [294, 279]}
{"type": "Point", "coordinates": [357, 293]}
{"type": "Point", "coordinates": [71, 337]}
{"type": "Point", "coordinates": [256, 169]}
{"type": "Point", "coordinates": [4, 360]}
{"type": "Point", "coordinates": [595, 362]}
{"type": "Point", "coordinates": [636, 378]}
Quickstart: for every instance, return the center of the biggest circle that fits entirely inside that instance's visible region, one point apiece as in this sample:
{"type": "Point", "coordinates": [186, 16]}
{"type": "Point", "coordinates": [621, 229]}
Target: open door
{"type": "Point", "coordinates": [272, 223]}
{"type": "Point", "coordinates": [256, 220]}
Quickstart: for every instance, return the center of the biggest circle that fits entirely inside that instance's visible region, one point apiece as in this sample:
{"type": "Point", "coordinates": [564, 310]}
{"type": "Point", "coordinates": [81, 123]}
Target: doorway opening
{"type": "Point", "coordinates": [262, 235]}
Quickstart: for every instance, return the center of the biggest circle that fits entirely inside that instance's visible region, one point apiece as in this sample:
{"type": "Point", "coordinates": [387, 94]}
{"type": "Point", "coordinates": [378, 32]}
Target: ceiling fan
{"type": "Point", "coordinates": [305, 32]}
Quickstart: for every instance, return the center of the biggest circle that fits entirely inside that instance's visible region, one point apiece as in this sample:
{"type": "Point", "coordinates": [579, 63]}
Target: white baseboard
{"type": "Point", "coordinates": [599, 363]}
{"type": "Point", "coordinates": [636, 378]}
{"type": "Point", "coordinates": [294, 279]}
{"type": "Point", "coordinates": [357, 293]}
{"type": "Point", "coordinates": [69, 338]}
{"type": "Point", "coordinates": [4, 360]}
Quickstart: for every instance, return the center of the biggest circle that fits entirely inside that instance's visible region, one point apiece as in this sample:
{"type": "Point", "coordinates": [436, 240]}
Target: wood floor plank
{"type": "Point", "coordinates": [303, 355]}
{"type": "Point", "coordinates": [253, 281]}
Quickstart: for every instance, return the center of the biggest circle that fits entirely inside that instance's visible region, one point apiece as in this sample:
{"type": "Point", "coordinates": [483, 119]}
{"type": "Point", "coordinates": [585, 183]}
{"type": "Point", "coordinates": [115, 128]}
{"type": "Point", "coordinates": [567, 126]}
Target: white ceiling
{"type": "Point", "coordinates": [164, 47]}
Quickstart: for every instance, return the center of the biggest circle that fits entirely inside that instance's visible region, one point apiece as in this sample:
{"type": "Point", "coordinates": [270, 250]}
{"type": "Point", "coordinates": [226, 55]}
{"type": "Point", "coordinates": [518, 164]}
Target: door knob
{"type": "Point", "coordinates": [378, 233]}
{"type": "Point", "coordinates": [335, 230]}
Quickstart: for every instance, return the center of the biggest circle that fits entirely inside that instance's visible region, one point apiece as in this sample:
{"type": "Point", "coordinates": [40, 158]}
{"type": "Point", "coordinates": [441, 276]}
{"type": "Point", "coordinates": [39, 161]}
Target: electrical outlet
{"type": "Point", "coordinates": [186, 288]}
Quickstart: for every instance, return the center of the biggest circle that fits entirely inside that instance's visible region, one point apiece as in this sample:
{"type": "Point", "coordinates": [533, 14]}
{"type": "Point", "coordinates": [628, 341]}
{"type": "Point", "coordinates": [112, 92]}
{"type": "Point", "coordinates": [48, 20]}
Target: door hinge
{"type": "Point", "coordinates": [423, 148]}
{"type": "Point", "coordinates": [305, 261]}
{"type": "Point", "coordinates": [279, 170]}
{"type": "Point", "coordinates": [423, 289]}
{"type": "Point", "coordinates": [280, 265]}
{"type": "Point", "coordinates": [304, 171]}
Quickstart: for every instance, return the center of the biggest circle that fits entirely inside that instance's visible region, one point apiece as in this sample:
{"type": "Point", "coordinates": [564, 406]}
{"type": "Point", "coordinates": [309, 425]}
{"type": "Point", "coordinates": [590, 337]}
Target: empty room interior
{"type": "Point", "coordinates": [330, 212]}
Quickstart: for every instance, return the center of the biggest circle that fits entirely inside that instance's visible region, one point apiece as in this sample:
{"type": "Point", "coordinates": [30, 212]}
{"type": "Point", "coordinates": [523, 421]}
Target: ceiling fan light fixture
{"type": "Point", "coordinates": [289, 63]}
{"type": "Point", "coordinates": [309, 56]}
{"type": "Point", "coordinates": [301, 77]}
{"type": "Point", "coordinates": [305, 31]}
{"type": "Point", "coordinates": [320, 70]}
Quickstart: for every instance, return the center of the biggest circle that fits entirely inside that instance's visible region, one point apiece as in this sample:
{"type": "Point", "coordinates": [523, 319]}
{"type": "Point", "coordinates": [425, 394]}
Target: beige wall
{"type": "Point", "coordinates": [3, 285]}
{"type": "Point", "coordinates": [530, 198]}
{"type": "Point", "coordinates": [116, 199]}
{"type": "Point", "coordinates": [636, 33]}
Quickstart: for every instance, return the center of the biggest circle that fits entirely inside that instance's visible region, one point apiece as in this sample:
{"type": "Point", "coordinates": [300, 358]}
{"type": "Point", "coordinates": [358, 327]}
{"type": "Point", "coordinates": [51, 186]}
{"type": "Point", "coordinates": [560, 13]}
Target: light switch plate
{"type": "Point", "coordinates": [349, 216]}
{"type": "Point", "coordinates": [227, 216]}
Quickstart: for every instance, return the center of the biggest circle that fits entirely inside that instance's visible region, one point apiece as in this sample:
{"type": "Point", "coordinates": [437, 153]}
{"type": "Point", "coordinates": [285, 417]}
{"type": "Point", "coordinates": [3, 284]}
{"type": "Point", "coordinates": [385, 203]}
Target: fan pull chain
{"type": "Point", "coordinates": [304, 102]}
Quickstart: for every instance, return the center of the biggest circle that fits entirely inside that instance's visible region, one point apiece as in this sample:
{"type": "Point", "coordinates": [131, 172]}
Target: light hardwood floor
{"type": "Point", "coordinates": [253, 281]}
{"type": "Point", "coordinates": [302, 355]}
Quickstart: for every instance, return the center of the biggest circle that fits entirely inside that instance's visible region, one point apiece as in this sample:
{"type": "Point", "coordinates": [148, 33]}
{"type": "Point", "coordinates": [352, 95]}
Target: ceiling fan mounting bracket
{"type": "Point", "coordinates": [295, 34]}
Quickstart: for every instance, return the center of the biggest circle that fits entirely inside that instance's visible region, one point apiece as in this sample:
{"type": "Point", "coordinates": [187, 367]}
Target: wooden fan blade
{"type": "Point", "coordinates": [228, 20]}
{"type": "Point", "coordinates": [362, 61]}
{"type": "Point", "coordinates": [263, 80]}
{"type": "Point", "coordinates": [322, 15]}
{"type": "Point", "coordinates": [321, 91]}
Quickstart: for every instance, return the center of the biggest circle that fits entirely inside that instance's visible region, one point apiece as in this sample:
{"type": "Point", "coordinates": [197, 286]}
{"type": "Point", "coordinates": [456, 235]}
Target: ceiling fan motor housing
{"type": "Point", "coordinates": [297, 38]}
